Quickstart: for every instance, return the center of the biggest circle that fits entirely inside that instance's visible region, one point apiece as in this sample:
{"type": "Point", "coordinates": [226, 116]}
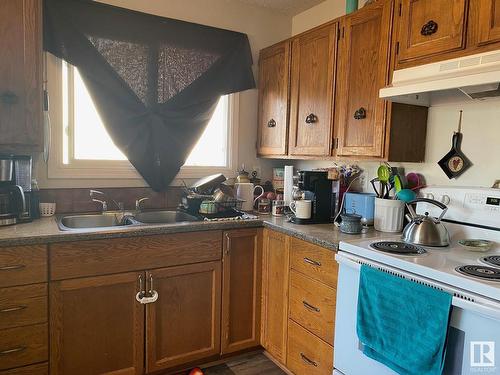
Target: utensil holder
{"type": "Point", "coordinates": [389, 214]}
{"type": "Point", "coordinates": [47, 209]}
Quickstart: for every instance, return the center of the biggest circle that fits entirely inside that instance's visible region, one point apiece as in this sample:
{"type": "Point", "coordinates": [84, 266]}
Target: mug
{"type": "Point", "coordinates": [301, 209]}
{"type": "Point", "coordinates": [245, 191]}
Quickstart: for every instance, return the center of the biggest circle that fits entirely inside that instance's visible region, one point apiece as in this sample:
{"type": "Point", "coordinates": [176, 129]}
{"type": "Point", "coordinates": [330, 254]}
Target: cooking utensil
{"type": "Point", "coordinates": [377, 191]}
{"type": "Point", "coordinates": [223, 194]}
{"type": "Point", "coordinates": [207, 185]}
{"type": "Point", "coordinates": [415, 181]}
{"type": "Point", "coordinates": [383, 174]}
{"type": "Point", "coordinates": [398, 185]}
{"type": "Point", "coordinates": [406, 195]}
{"type": "Point", "coordinates": [454, 163]}
{"type": "Point", "coordinates": [425, 230]}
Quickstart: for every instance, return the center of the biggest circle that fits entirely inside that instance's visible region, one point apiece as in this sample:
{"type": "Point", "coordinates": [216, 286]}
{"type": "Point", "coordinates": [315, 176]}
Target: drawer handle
{"type": "Point", "coordinates": [13, 267]}
{"type": "Point", "coordinates": [307, 360]}
{"type": "Point", "coordinates": [310, 307]}
{"type": "Point", "coordinates": [271, 123]}
{"type": "Point", "coordinates": [13, 350]}
{"type": "Point", "coordinates": [313, 262]}
{"type": "Point", "coordinates": [12, 309]}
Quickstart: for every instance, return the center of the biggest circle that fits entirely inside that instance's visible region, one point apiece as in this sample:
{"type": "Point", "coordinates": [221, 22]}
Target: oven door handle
{"type": "Point", "coordinates": [488, 311]}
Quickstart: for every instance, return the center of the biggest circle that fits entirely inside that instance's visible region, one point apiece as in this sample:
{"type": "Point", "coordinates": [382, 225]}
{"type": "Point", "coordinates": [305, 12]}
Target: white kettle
{"type": "Point", "coordinates": [245, 191]}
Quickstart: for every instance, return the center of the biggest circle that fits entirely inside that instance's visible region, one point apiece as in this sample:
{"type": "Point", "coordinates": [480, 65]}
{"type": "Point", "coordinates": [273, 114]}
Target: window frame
{"type": "Point", "coordinates": [115, 169]}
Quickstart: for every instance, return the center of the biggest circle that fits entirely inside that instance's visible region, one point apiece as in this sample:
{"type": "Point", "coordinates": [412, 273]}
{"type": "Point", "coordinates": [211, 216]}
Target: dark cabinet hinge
{"type": "Point", "coordinates": [343, 32]}
{"type": "Point", "coordinates": [397, 48]}
{"type": "Point", "coordinates": [400, 9]}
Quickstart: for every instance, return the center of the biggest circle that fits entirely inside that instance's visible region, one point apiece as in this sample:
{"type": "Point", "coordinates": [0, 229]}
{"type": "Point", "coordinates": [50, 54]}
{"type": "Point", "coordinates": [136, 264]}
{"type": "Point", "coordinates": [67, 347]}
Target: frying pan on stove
{"type": "Point", "coordinates": [454, 163]}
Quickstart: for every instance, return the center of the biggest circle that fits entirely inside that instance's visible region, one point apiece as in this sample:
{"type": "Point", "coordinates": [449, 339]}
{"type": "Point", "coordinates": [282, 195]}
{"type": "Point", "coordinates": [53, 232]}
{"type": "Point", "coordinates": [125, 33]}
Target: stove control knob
{"type": "Point", "coordinates": [429, 196]}
{"type": "Point", "coordinates": [445, 199]}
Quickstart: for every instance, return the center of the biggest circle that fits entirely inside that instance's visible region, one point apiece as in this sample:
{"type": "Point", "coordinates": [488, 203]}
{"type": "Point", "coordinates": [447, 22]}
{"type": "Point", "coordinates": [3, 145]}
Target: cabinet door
{"type": "Point", "coordinates": [96, 326]}
{"type": "Point", "coordinates": [363, 70]}
{"type": "Point", "coordinates": [241, 290]}
{"type": "Point", "coordinates": [274, 83]}
{"type": "Point", "coordinates": [20, 75]}
{"type": "Point", "coordinates": [430, 27]}
{"type": "Point", "coordinates": [312, 85]}
{"type": "Point", "coordinates": [275, 271]}
{"type": "Point", "coordinates": [485, 21]}
{"type": "Point", "coordinates": [183, 325]}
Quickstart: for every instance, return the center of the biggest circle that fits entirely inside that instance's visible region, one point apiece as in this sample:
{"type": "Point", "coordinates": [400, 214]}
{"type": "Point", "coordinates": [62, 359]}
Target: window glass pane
{"type": "Point", "coordinates": [92, 142]}
{"type": "Point", "coordinates": [211, 149]}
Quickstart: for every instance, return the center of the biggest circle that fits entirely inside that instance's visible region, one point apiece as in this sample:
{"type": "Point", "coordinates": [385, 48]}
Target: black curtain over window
{"type": "Point", "coordinates": [155, 81]}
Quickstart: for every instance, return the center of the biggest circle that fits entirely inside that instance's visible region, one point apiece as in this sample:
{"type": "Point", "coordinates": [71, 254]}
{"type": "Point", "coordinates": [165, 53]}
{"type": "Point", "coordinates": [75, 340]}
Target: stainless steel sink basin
{"type": "Point", "coordinates": [93, 221]}
{"type": "Point", "coordinates": [163, 217]}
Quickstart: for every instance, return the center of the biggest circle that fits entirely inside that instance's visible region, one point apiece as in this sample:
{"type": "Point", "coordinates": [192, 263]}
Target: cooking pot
{"type": "Point", "coordinates": [425, 230]}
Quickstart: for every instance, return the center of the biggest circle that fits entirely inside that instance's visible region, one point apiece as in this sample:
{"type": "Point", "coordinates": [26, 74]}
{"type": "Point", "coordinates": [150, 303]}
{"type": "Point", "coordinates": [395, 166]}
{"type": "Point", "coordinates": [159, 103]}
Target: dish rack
{"type": "Point", "coordinates": [213, 206]}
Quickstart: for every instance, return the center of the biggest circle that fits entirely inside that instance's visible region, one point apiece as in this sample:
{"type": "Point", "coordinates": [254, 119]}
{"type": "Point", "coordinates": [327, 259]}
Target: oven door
{"type": "Point", "coordinates": [474, 330]}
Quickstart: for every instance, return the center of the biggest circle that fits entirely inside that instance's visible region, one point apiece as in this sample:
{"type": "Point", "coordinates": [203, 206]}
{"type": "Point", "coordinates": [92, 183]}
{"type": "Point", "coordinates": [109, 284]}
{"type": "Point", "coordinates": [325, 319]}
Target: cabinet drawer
{"type": "Point", "coordinates": [21, 265]}
{"type": "Point", "coordinates": [307, 354]}
{"type": "Point", "coordinates": [38, 369]}
{"type": "Point", "coordinates": [314, 261]}
{"type": "Point", "coordinates": [101, 257]}
{"type": "Point", "coordinates": [312, 305]}
{"type": "Point", "coordinates": [23, 346]}
{"type": "Point", "coordinates": [23, 305]}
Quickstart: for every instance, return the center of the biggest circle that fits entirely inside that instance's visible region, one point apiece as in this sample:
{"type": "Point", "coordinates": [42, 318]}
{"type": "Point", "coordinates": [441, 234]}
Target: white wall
{"type": "Point", "coordinates": [263, 28]}
{"type": "Point", "coordinates": [481, 126]}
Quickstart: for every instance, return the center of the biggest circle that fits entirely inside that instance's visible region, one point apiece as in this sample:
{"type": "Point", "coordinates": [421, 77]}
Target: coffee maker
{"type": "Point", "coordinates": [316, 187]}
{"type": "Point", "coordinates": [13, 176]}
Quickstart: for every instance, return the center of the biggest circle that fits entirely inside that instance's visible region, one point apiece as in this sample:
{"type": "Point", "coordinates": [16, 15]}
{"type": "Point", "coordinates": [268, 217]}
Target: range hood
{"type": "Point", "coordinates": [475, 77]}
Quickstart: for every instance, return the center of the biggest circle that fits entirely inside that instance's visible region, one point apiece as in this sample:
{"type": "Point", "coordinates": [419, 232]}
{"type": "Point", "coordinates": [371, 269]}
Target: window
{"type": "Point", "coordinates": [82, 148]}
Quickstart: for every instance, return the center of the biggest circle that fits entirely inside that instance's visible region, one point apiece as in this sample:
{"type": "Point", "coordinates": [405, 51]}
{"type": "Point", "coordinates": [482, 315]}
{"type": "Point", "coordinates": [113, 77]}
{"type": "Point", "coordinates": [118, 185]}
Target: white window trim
{"type": "Point", "coordinates": [116, 170]}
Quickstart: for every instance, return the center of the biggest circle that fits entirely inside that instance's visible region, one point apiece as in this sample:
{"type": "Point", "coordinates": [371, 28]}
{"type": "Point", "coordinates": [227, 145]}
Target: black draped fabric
{"type": "Point", "coordinates": [155, 81]}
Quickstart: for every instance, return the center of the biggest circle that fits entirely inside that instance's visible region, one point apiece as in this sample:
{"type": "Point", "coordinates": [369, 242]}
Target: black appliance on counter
{"type": "Point", "coordinates": [316, 186]}
{"type": "Point", "coordinates": [15, 180]}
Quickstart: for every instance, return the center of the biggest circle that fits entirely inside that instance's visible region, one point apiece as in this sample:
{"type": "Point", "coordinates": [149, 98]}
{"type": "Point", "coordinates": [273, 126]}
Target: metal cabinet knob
{"type": "Point", "coordinates": [429, 28]}
{"type": "Point", "coordinates": [311, 118]}
{"type": "Point", "coordinates": [271, 123]}
{"type": "Point", "coordinates": [360, 114]}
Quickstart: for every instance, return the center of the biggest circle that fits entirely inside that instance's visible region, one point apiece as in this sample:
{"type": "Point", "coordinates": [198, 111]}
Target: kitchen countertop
{"type": "Point", "coordinates": [325, 235]}
{"type": "Point", "coordinates": [45, 230]}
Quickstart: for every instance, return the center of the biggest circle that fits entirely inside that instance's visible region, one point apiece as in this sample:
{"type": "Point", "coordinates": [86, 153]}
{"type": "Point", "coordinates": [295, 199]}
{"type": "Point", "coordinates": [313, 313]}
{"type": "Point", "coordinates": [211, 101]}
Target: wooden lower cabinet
{"type": "Point", "coordinates": [275, 271]}
{"type": "Point", "coordinates": [97, 326]}
{"type": "Point", "coordinates": [183, 325]}
{"type": "Point", "coordinates": [308, 354]}
{"type": "Point", "coordinates": [241, 291]}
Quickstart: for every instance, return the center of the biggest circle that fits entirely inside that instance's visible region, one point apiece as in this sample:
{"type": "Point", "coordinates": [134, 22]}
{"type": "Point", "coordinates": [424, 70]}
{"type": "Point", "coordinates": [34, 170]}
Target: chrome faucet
{"type": "Point", "coordinates": [102, 202]}
{"type": "Point", "coordinates": [138, 203]}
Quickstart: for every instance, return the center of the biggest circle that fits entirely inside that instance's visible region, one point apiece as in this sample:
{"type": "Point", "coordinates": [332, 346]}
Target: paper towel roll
{"type": "Point", "coordinates": [288, 184]}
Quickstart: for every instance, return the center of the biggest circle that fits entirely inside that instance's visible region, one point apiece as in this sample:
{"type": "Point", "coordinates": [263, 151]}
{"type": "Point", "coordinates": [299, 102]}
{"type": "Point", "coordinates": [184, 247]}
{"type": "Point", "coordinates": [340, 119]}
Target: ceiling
{"type": "Point", "coordinates": [290, 7]}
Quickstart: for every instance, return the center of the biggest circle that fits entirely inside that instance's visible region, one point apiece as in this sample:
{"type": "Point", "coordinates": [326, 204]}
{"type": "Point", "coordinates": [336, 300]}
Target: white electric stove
{"type": "Point", "coordinates": [472, 278]}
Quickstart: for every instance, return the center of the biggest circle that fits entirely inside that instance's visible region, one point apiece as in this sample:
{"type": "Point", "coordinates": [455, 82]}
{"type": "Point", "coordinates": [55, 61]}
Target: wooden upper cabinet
{"type": "Point", "coordinates": [274, 79]}
{"type": "Point", "coordinates": [20, 76]}
{"type": "Point", "coordinates": [430, 27]}
{"type": "Point", "coordinates": [183, 325]}
{"type": "Point", "coordinates": [275, 275]}
{"type": "Point", "coordinates": [96, 326]}
{"type": "Point", "coordinates": [484, 22]}
{"type": "Point", "coordinates": [312, 86]}
{"type": "Point", "coordinates": [363, 70]}
{"type": "Point", "coordinates": [241, 291]}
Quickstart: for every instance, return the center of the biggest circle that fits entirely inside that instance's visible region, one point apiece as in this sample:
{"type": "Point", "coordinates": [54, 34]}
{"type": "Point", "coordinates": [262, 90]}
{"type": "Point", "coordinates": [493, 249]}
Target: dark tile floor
{"type": "Point", "coordinates": [254, 364]}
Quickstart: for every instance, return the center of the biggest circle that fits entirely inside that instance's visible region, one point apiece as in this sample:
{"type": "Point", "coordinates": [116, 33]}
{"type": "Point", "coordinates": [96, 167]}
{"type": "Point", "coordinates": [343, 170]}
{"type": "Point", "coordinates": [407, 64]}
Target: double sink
{"type": "Point", "coordinates": [122, 219]}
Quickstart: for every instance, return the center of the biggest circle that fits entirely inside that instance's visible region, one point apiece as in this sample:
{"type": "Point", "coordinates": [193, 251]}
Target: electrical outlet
{"type": "Point", "coordinates": [257, 169]}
